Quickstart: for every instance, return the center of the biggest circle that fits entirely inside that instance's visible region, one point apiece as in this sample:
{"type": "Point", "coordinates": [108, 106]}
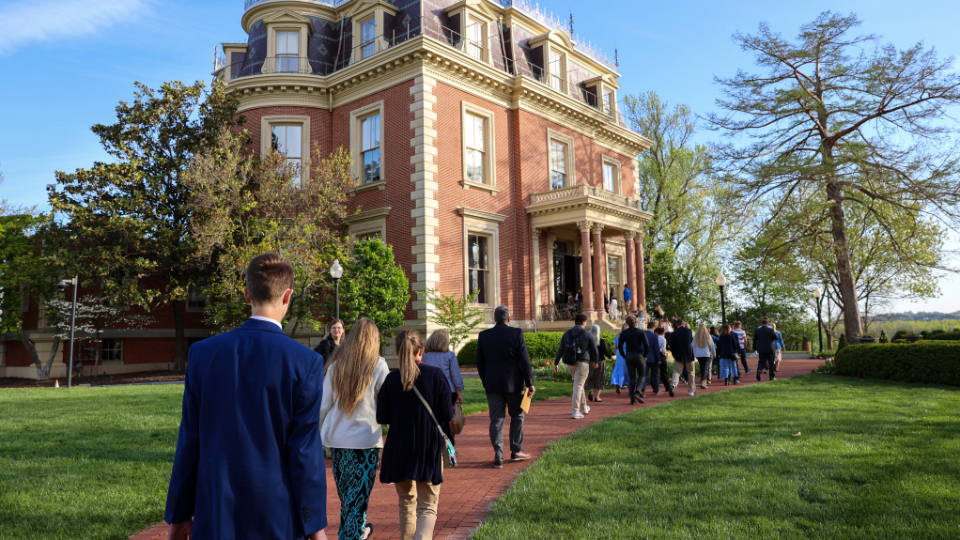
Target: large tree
{"type": "Point", "coordinates": [246, 205]}
{"type": "Point", "coordinates": [693, 219]}
{"type": "Point", "coordinates": [128, 221]}
{"type": "Point", "coordinates": [835, 120]}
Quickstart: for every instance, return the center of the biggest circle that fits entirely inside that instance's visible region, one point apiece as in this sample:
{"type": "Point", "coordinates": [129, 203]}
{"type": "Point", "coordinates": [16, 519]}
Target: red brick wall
{"type": "Point", "coordinates": [319, 125]}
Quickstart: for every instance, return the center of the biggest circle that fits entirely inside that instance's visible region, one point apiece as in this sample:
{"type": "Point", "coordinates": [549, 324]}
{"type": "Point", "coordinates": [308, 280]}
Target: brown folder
{"type": "Point", "coordinates": [525, 404]}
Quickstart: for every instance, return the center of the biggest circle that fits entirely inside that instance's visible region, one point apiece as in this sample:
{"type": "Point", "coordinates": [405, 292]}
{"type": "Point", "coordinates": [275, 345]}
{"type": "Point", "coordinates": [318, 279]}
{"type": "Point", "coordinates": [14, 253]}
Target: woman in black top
{"type": "Point", "coordinates": [633, 347]}
{"type": "Point", "coordinates": [728, 350]}
{"type": "Point", "coordinates": [332, 341]}
{"type": "Point", "coordinates": [597, 377]}
{"type": "Point", "coordinates": [412, 455]}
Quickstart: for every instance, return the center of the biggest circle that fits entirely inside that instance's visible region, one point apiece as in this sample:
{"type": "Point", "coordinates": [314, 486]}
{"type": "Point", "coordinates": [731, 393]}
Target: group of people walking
{"type": "Point", "coordinates": [259, 408]}
{"type": "Point", "coordinates": [641, 357]}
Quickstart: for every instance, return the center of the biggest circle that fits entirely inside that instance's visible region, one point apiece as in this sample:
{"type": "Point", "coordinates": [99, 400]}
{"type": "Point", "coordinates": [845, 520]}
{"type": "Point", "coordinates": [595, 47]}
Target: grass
{"type": "Point", "coordinates": [875, 460]}
{"type": "Point", "coordinates": [94, 463]}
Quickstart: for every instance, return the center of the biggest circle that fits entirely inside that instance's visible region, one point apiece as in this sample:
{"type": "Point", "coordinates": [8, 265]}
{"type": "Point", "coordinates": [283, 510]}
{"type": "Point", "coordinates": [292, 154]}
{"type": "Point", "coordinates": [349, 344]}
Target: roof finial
{"type": "Point", "coordinates": [616, 57]}
{"type": "Point", "coordinates": [214, 57]}
{"type": "Point", "coordinates": [571, 24]}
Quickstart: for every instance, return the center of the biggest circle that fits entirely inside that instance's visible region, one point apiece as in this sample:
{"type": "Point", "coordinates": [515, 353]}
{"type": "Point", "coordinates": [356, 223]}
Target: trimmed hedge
{"type": "Point", "coordinates": [944, 336]}
{"type": "Point", "coordinates": [540, 345]}
{"type": "Point", "coordinates": [927, 362]}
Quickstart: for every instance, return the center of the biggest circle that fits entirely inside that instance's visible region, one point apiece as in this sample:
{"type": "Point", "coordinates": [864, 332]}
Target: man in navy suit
{"type": "Point", "coordinates": [681, 346]}
{"type": "Point", "coordinates": [249, 461]}
{"type": "Point", "coordinates": [504, 369]}
{"type": "Point", "coordinates": [763, 339]}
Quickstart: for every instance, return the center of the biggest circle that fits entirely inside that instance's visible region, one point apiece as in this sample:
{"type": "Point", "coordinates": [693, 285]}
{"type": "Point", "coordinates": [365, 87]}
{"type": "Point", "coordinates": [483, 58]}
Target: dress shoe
{"type": "Point", "coordinates": [519, 456]}
{"type": "Point", "coordinates": [618, 389]}
{"type": "Point", "coordinates": [758, 375]}
{"type": "Point", "coordinates": [590, 396]}
{"type": "Point", "coordinates": [498, 463]}
{"type": "Point", "coordinates": [638, 397]}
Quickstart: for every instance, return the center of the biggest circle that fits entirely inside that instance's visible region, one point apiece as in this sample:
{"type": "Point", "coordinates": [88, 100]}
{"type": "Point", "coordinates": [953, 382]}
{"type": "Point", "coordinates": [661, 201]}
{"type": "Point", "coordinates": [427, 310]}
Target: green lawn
{"type": "Point", "coordinates": [94, 463]}
{"type": "Point", "coordinates": [875, 460]}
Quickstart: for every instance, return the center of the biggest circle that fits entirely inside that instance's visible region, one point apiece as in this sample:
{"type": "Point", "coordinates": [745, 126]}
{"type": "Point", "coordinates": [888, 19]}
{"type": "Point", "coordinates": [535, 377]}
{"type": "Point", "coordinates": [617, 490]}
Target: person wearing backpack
{"type": "Point", "coordinates": [578, 349]}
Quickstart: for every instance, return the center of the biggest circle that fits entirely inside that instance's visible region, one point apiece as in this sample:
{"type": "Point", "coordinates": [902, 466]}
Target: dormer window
{"type": "Point", "coordinates": [475, 40]}
{"type": "Point", "coordinates": [288, 52]}
{"type": "Point", "coordinates": [602, 94]}
{"type": "Point", "coordinates": [608, 102]}
{"type": "Point", "coordinates": [368, 36]}
{"type": "Point", "coordinates": [555, 71]}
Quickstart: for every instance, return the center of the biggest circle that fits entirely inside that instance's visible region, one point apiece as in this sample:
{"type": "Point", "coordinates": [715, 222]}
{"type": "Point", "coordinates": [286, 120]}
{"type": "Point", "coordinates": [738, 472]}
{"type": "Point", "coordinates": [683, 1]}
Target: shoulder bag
{"type": "Point", "coordinates": [449, 453]}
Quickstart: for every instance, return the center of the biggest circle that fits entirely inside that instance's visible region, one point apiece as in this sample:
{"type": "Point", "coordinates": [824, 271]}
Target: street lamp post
{"type": "Point", "coordinates": [336, 272]}
{"type": "Point", "coordinates": [73, 322]}
{"type": "Point", "coordinates": [818, 296]}
{"type": "Point", "coordinates": [736, 310]}
{"type": "Point", "coordinates": [722, 282]}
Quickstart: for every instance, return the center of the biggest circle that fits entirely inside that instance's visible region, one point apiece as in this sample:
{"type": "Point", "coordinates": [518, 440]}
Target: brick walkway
{"type": "Point", "coordinates": [469, 491]}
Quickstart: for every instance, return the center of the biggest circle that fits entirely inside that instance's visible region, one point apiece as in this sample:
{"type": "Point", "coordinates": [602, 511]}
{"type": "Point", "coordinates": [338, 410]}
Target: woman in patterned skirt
{"type": "Point", "coordinates": [596, 378]}
{"type": "Point", "coordinates": [348, 420]}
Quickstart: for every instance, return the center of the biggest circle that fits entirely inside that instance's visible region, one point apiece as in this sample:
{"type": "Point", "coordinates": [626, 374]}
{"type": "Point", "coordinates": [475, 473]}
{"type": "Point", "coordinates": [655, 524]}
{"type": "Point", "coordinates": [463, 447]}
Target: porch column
{"type": "Point", "coordinates": [551, 297]}
{"type": "Point", "coordinates": [598, 269]}
{"type": "Point", "coordinates": [631, 271]}
{"type": "Point", "coordinates": [535, 246]}
{"type": "Point", "coordinates": [641, 293]}
{"type": "Point", "coordinates": [586, 267]}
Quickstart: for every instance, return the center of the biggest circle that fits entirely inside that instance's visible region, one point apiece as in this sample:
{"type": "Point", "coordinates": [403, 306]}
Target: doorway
{"type": "Point", "coordinates": [566, 272]}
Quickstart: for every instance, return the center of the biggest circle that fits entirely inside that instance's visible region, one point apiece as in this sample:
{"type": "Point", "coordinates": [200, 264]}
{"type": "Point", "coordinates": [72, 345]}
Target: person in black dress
{"type": "Point", "coordinates": [597, 376]}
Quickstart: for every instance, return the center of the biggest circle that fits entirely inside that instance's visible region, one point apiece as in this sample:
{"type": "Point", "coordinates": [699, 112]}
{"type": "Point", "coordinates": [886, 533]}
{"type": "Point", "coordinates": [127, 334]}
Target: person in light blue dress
{"type": "Point", "coordinates": [619, 377]}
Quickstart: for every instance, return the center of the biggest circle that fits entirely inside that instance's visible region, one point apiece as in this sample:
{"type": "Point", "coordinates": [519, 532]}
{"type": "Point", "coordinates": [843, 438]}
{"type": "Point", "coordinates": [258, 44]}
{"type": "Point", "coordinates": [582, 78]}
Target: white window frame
{"type": "Point", "coordinates": [286, 55]}
{"type": "Point", "coordinates": [356, 144]}
{"type": "Point", "coordinates": [192, 295]}
{"type": "Point", "coordinates": [287, 23]}
{"type": "Point", "coordinates": [266, 132]}
{"type": "Point", "coordinates": [569, 159]}
{"type": "Point", "coordinates": [370, 44]}
{"type": "Point", "coordinates": [489, 142]}
{"type": "Point", "coordinates": [606, 161]}
{"type": "Point", "coordinates": [368, 222]}
{"type": "Point", "coordinates": [483, 223]}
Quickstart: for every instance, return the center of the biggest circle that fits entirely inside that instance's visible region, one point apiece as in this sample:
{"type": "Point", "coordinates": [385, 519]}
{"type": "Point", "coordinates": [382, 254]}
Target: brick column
{"type": "Point", "coordinates": [641, 293]}
{"type": "Point", "coordinates": [631, 271]}
{"type": "Point", "coordinates": [598, 269]}
{"type": "Point", "coordinates": [586, 267]}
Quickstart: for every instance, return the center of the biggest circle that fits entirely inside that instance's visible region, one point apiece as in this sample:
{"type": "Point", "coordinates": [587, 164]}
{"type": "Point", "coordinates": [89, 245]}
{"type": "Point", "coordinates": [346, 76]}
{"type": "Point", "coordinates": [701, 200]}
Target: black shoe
{"type": "Point", "coordinates": [498, 463]}
{"type": "Point", "coordinates": [618, 389]}
{"type": "Point", "coordinates": [590, 396]}
{"type": "Point", "coordinates": [641, 394]}
{"type": "Point", "coordinates": [758, 375]}
{"type": "Point", "coordinates": [726, 382]}
{"type": "Point", "coordinates": [638, 396]}
{"type": "Point", "coordinates": [671, 390]}
{"type": "Point", "coordinates": [633, 401]}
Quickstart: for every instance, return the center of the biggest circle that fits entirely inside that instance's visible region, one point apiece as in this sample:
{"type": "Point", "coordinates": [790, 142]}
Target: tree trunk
{"type": "Point", "coordinates": [179, 362]}
{"type": "Point", "coordinates": [43, 372]}
{"type": "Point", "coordinates": [848, 282]}
{"type": "Point", "coordinates": [53, 354]}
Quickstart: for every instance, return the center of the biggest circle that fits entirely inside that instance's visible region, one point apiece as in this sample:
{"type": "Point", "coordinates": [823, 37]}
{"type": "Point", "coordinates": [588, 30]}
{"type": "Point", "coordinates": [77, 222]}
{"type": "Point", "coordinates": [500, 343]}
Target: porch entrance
{"type": "Point", "coordinates": [566, 272]}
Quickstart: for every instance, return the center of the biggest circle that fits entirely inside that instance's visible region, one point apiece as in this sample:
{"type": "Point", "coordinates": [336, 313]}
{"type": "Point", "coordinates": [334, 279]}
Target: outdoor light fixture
{"type": "Point", "coordinates": [62, 287]}
{"type": "Point", "coordinates": [818, 297]}
{"type": "Point", "coordinates": [722, 282]}
{"type": "Point", "coordinates": [336, 272]}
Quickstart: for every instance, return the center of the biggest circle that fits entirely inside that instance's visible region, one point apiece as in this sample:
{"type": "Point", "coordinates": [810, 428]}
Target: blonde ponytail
{"type": "Point", "coordinates": [409, 350]}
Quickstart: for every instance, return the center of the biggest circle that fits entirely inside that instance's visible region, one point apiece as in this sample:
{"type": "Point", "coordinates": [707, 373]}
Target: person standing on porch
{"type": "Point", "coordinates": [627, 297]}
{"type": "Point", "coordinates": [504, 369]}
{"type": "Point", "coordinates": [578, 350]}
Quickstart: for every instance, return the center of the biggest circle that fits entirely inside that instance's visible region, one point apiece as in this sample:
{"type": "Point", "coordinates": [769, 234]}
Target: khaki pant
{"type": "Point", "coordinates": [579, 371]}
{"type": "Point", "coordinates": [691, 375]}
{"type": "Point", "coordinates": [418, 509]}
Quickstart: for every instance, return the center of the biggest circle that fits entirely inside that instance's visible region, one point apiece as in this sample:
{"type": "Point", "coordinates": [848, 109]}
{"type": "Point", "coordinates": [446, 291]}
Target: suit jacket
{"type": "Point", "coordinates": [502, 361]}
{"type": "Point", "coordinates": [654, 354]}
{"type": "Point", "coordinates": [681, 344]}
{"type": "Point", "coordinates": [763, 338]}
{"type": "Point", "coordinates": [249, 461]}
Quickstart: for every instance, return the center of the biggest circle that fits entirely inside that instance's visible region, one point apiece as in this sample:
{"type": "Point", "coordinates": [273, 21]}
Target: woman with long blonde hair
{"type": "Point", "coordinates": [355, 373]}
{"type": "Point", "coordinates": [704, 351]}
{"type": "Point", "coordinates": [412, 457]}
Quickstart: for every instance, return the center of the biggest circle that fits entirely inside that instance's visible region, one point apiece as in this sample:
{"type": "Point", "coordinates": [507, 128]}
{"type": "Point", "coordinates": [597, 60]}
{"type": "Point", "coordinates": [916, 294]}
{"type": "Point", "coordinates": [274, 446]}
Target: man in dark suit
{"type": "Point", "coordinates": [504, 369]}
{"type": "Point", "coordinates": [681, 347]}
{"type": "Point", "coordinates": [763, 338]}
{"type": "Point", "coordinates": [249, 460]}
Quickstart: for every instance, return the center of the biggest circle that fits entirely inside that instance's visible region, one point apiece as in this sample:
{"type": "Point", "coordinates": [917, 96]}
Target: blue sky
{"type": "Point", "coordinates": [65, 64]}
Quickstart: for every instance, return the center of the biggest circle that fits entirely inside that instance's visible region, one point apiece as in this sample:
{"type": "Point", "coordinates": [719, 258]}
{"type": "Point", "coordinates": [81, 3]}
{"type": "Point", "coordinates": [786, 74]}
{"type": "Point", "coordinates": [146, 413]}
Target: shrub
{"type": "Point", "coordinates": [944, 336]}
{"type": "Point", "coordinates": [929, 362]}
{"type": "Point", "coordinates": [883, 337]}
{"type": "Point", "coordinates": [468, 354]}
{"type": "Point", "coordinates": [842, 342]}
{"type": "Point", "coordinates": [899, 334]}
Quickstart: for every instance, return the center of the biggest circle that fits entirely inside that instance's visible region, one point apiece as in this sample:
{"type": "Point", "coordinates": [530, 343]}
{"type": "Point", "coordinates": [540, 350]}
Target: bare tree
{"type": "Point", "coordinates": [836, 120]}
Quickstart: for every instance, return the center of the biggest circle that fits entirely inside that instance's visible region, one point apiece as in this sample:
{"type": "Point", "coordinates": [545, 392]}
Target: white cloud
{"type": "Point", "coordinates": [27, 22]}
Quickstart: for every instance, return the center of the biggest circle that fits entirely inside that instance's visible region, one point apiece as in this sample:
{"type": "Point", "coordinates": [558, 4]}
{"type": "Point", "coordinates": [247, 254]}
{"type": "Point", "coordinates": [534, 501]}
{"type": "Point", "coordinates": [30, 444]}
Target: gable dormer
{"type": "Point", "coordinates": [556, 48]}
{"type": "Point", "coordinates": [287, 35]}
{"type": "Point", "coordinates": [472, 19]}
{"type": "Point", "coordinates": [605, 89]}
{"type": "Point", "coordinates": [369, 29]}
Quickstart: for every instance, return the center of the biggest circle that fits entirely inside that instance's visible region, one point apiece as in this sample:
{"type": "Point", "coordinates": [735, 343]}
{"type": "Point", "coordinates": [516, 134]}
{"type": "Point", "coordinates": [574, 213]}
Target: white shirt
{"type": "Point", "coordinates": [360, 429]}
{"type": "Point", "coordinates": [267, 319]}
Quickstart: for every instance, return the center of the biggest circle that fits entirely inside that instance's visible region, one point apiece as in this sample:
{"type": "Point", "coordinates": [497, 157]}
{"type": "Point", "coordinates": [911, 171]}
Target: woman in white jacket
{"type": "Point", "coordinates": [704, 351]}
{"type": "Point", "coordinates": [348, 423]}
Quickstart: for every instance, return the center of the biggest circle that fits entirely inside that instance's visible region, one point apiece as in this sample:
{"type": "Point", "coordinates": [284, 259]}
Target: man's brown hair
{"type": "Point", "coordinates": [631, 320]}
{"type": "Point", "coordinates": [268, 277]}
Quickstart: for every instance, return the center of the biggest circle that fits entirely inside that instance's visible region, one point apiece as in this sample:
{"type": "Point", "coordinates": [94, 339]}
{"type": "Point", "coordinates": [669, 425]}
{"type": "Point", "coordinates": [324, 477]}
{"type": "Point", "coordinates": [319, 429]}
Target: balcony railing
{"type": "Point", "coordinates": [583, 190]}
{"type": "Point", "coordinates": [247, 4]}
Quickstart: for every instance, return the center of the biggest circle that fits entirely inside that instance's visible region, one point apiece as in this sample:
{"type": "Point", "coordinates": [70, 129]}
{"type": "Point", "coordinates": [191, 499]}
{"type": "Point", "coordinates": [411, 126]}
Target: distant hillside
{"type": "Point", "coordinates": [921, 316]}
